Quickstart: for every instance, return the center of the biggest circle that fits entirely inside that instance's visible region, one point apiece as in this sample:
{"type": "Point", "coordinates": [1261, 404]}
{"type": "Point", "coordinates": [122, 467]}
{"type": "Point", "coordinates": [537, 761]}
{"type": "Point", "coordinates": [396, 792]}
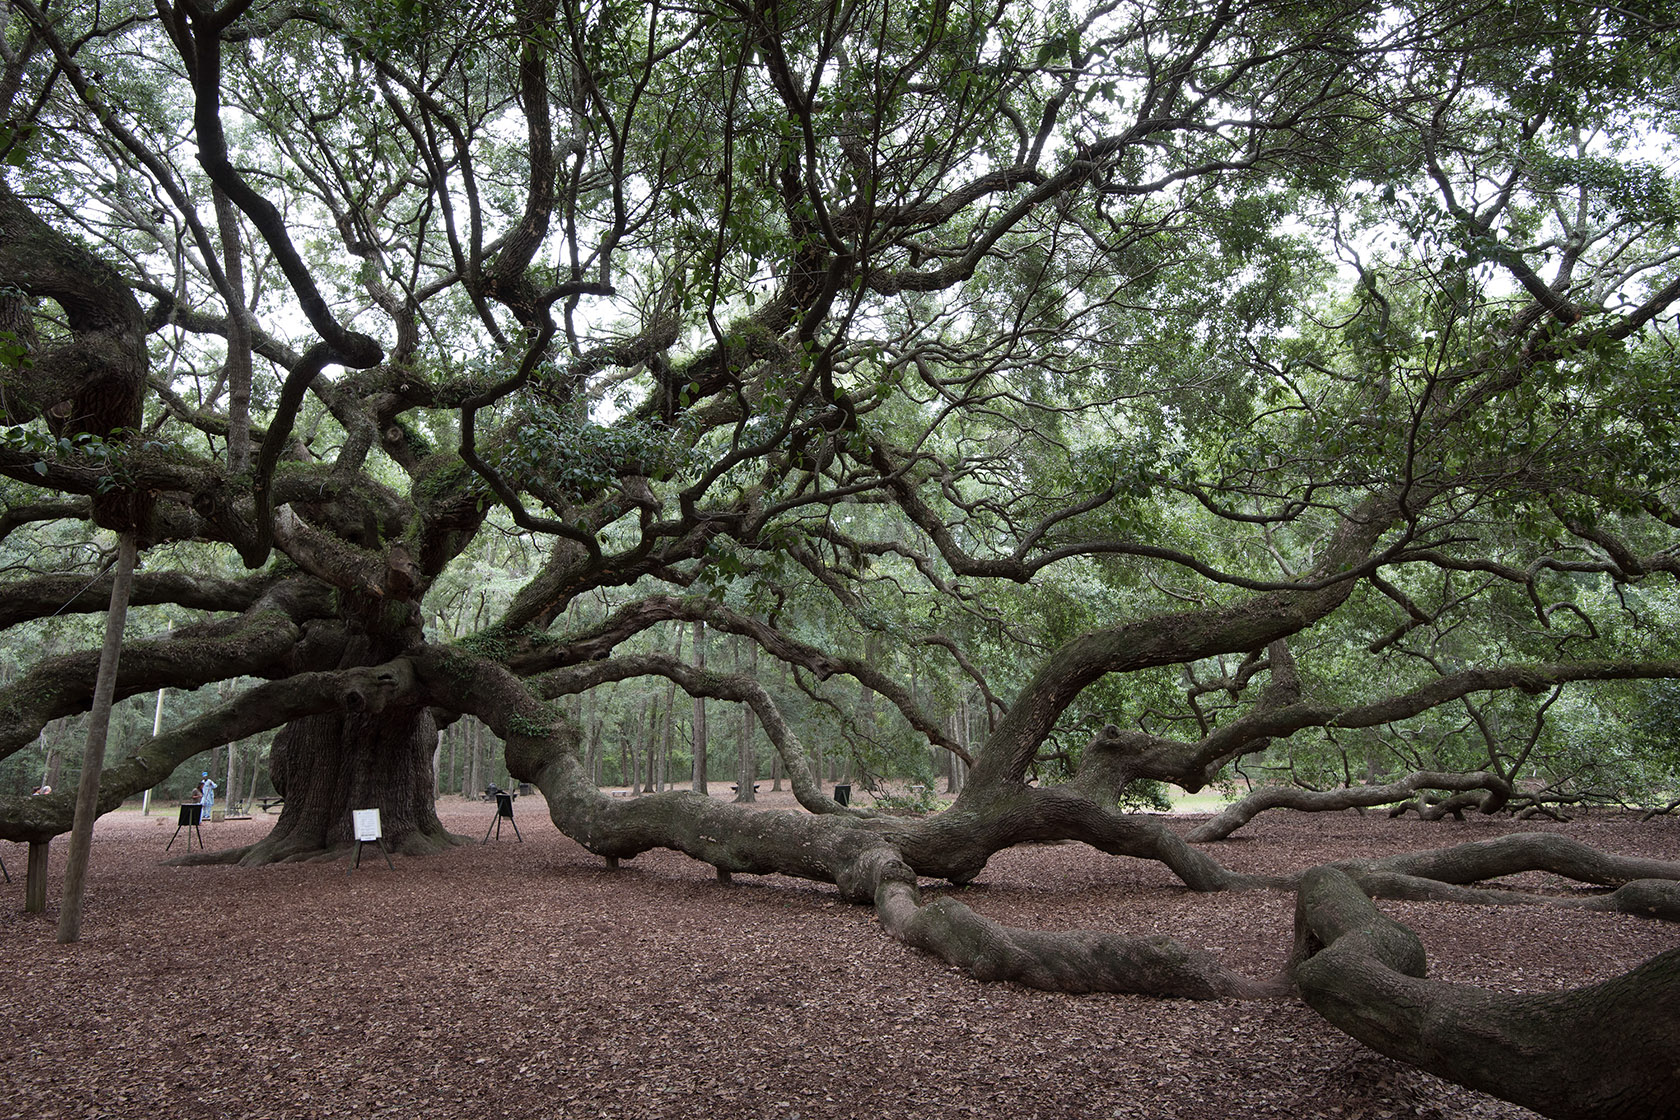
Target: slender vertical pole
{"type": "Point", "coordinates": [93, 755]}
{"type": "Point", "coordinates": [157, 727]}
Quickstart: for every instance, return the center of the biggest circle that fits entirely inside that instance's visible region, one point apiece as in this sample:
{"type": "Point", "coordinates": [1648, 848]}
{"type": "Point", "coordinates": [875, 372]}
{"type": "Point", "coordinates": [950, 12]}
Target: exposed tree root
{"type": "Point", "coordinates": [1605, 1052]}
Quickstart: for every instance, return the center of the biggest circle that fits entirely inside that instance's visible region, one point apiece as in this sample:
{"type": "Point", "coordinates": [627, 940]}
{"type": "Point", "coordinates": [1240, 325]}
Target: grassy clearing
{"type": "Point", "coordinates": [1207, 801]}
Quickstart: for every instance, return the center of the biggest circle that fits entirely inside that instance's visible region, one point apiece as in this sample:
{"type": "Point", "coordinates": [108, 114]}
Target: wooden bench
{"type": "Point", "coordinates": [269, 802]}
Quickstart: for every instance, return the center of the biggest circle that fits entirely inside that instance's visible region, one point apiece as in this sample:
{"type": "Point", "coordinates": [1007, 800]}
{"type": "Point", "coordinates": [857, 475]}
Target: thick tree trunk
{"type": "Point", "coordinates": [328, 765]}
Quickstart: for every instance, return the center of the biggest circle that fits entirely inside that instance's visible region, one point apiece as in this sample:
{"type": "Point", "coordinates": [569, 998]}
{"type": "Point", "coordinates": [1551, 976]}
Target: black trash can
{"type": "Point", "coordinates": [843, 794]}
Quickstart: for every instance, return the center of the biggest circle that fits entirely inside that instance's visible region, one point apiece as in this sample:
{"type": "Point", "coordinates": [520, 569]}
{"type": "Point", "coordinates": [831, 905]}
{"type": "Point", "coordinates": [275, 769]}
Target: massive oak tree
{"type": "Point", "coordinates": [1160, 382]}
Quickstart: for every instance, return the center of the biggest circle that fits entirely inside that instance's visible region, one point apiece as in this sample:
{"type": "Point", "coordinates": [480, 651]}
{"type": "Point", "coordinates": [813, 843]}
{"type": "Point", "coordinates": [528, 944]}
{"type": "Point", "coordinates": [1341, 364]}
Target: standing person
{"type": "Point", "coordinates": [206, 794]}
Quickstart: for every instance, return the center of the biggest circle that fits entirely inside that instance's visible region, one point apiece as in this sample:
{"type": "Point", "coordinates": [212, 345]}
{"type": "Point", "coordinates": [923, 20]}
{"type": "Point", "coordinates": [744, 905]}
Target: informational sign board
{"type": "Point", "coordinates": [366, 823]}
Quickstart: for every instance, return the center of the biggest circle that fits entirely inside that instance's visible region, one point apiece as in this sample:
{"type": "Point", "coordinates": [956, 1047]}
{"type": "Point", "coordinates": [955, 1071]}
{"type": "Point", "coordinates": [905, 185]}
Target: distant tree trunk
{"type": "Point", "coordinates": [592, 732]}
{"type": "Point", "coordinates": [699, 771]}
{"type": "Point", "coordinates": [656, 734]}
{"type": "Point", "coordinates": [647, 720]}
{"type": "Point", "coordinates": [454, 737]}
{"type": "Point", "coordinates": [157, 729]}
{"type": "Point", "coordinates": [54, 737]}
{"type": "Point", "coordinates": [666, 745]}
{"type": "Point", "coordinates": [748, 769]}
{"type": "Point", "coordinates": [670, 715]}
{"type": "Point", "coordinates": [437, 759]}
{"type": "Point", "coordinates": [93, 755]}
{"type": "Point", "coordinates": [469, 776]}
{"type": "Point", "coordinates": [958, 769]}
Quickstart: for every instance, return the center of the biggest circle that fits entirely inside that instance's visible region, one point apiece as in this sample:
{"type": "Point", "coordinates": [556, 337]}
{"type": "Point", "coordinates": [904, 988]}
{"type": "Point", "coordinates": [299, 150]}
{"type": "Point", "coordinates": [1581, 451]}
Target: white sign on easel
{"type": "Point", "coordinates": [365, 823]}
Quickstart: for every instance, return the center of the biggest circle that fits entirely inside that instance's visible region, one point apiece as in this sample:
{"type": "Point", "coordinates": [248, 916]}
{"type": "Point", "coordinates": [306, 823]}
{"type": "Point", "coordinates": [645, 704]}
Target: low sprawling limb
{"type": "Point", "coordinates": [868, 860]}
{"type": "Point", "coordinates": [38, 819]}
{"type": "Point", "coordinates": [1652, 898]}
{"type": "Point", "coordinates": [1511, 855]}
{"type": "Point", "coordinates": [1607, 1051]}
{"type": "Point", "coordinates": [266, 640]}
{"type": "Point", "coordinates": [955, 845]}
{"type": "Point", "coordinates": [1239, 813]}
{"type": "Point", "coordinates": [1071, 961]}
{"type": "Point", "coordinates": [254, 645]}
{"type": "Point", "coordinates": [45, 596]}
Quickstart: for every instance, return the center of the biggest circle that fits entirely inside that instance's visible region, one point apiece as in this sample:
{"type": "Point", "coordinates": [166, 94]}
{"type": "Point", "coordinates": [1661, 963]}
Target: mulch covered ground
{"type": "Point", "coordinates": [527, 980]}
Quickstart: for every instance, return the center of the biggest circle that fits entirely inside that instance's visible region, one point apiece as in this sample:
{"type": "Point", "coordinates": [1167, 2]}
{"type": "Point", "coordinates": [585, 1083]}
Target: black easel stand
{"type": "Point", "coordinates": [504, 808]}
{"type": "Point", "coordinates": [382, 852]}
{"type": "Point", "coordinates": [190, 816]}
